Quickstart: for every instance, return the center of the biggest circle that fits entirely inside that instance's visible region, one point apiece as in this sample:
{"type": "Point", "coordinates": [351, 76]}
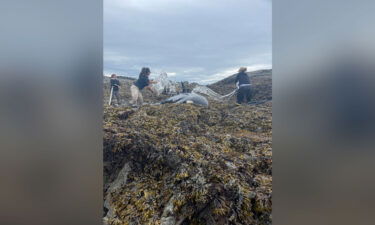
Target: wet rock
{"type": "Point", "coordinates": [187, 164]}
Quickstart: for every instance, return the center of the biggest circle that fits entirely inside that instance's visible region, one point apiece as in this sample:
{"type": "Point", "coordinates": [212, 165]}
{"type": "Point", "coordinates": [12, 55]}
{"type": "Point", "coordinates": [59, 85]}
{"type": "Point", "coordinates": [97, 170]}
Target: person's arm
{"type": "Point", "coordinates": [118, 84]}
{"type": "Point", "coordinates": [236, 81]}
{"type": "Point", "coordinates": [150, 88]}
{"type": "Point", "coordinates": [152, 82]}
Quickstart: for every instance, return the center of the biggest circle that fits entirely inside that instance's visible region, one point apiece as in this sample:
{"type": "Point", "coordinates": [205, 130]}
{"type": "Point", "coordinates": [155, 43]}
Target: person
{"type": "Point", "coordinates": [184, 88]}
{"type": "Point", "coordinates": [243, 83]}
{"type": "Point", "coordinates": [142, 82]}
{"type": "Point", "coordinates": [115, 84]}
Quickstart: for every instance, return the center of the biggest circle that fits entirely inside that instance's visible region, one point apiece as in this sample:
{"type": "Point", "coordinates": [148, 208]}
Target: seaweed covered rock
{"type": "Point", "coordinates": [185, 164]}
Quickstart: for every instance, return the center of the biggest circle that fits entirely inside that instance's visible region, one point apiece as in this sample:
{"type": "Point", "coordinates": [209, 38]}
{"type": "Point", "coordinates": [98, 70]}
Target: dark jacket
{"type": "Point", "coordinates": [114, 83]}
{"type": "Point", "coordinates": [142, 82]}
{"type": "Point", "coordinates": [242, 78]}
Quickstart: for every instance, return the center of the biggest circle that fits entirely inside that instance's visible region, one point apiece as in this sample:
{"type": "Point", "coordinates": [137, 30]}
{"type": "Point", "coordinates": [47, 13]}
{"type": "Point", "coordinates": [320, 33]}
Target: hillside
{"type": "Point", "coordinates": [261, 81]}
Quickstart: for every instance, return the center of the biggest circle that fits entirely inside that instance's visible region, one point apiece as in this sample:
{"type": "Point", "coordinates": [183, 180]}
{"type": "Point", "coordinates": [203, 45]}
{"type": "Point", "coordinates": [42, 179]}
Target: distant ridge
{"type": "Point", "coordinates": [261, 84]}
{"type": "Point", "coordinates": [126, 78]}
{"type": "Point", "coordinates": [230, 79]}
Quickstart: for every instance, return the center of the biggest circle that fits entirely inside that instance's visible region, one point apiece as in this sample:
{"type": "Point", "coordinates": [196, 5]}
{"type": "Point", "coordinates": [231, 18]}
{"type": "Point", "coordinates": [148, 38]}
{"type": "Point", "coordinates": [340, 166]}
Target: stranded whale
{"type": "Point", "coordinates": [187, 98]}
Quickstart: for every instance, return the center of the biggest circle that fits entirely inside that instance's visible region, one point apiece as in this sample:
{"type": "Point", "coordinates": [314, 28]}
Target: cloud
{"type": "Point", "coordinates": [115, 58]}
{"type": "Point", "coordinates": [196, 40]}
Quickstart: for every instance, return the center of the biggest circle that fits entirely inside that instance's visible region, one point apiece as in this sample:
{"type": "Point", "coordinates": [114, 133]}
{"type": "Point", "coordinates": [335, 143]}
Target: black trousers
{"type": "Point", "coordinates": [244, 95]}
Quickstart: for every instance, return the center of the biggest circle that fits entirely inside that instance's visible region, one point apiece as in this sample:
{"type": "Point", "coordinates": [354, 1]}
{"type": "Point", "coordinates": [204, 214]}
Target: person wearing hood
{"type": "Point", "coordinates": [142, 82]}
{"type": "Point", "coordinates": [244, 86]}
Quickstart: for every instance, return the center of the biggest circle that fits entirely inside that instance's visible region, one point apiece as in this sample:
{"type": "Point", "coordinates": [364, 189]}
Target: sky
{"type": "Point", "coordinates": [192, 40]}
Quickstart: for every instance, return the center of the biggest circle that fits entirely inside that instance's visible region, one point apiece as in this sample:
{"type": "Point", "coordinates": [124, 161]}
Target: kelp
{"type": "Point", "coordinates": [185, 164]}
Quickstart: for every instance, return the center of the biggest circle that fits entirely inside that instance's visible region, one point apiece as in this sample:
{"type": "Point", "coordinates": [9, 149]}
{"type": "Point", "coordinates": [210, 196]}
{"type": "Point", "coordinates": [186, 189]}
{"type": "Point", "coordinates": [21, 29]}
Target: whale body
{"type": "Point", "coordinates": [187, 98]}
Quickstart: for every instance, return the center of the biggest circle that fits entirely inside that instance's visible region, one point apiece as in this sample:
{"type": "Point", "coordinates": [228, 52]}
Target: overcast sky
{"type": "Point", "coordinates": [194, 40]}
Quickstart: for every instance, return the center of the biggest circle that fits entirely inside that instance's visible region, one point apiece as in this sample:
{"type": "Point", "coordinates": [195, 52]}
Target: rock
{"type": "Point", "coordinates": [167, 221]}
{"type": "Point", "coordinates": [185, 164]}
{"type": "Point", "coordinates": [115, 186]}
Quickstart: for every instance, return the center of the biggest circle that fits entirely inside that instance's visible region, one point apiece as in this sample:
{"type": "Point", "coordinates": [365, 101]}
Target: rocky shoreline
{"type": "Point", "coordinates": [185, 164]}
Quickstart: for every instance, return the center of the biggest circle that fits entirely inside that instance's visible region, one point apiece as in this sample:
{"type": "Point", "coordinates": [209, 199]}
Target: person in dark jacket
{"type": "Point", "coordinates": [142, 82]}
{"type": "Point", "coordinates": [115, 84]}
{"type": "Point", "coordinates": [244, 90]}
